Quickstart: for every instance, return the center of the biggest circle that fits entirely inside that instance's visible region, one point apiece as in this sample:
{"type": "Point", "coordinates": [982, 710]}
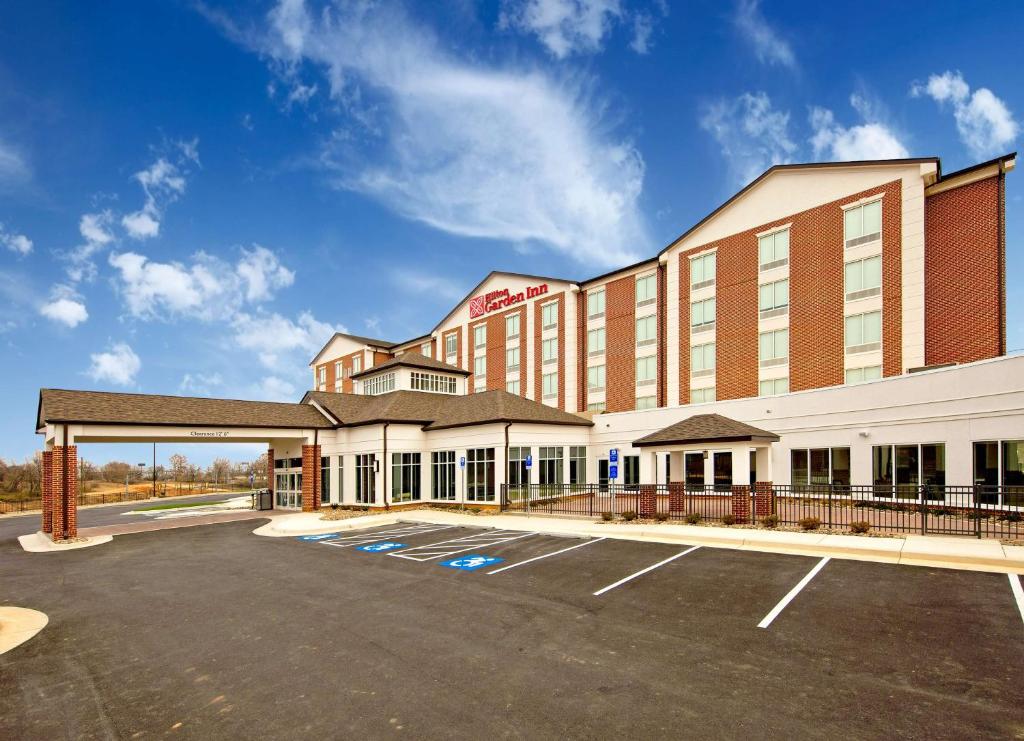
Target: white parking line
{"type": "Point", "coordinates": [459, 545]}
{"type": "Point", "coordinates": [1018, 592]}
{"type": "Point", "coordinates": [793, 593]}
{"type": "Point", "coordinates": [546, 555]}
{"type": "Point", "coordinates": [350, 541]}
{"type": "Point", "coordinates": [620, 582]}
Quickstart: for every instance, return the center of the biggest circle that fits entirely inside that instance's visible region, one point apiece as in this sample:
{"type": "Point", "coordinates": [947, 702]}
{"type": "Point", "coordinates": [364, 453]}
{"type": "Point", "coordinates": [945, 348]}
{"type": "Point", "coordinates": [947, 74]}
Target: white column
{"type": "Point", "coordinates": [741, 465]}
{"type": "Point", "coordinates": [764, 463]}
{"type": "Point", "coordinates": [648, 467]}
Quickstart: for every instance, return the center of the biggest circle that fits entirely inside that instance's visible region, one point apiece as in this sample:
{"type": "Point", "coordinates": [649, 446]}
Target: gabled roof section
{"type": "Point", "coordinates": [102, 407]}
{"type": "Point", "coordinates": [490, 275]}
{"type": "Point", "coordinates": [369, 341]}
{"type": "Point", "coordinates": [706, 428]}
{"type": "Point", "coordinates": [410, 359]}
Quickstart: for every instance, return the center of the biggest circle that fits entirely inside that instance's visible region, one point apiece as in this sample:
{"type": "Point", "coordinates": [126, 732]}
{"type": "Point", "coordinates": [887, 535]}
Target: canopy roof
{"type": "Point", "coordinates": [411, 359]}
{"type": "Point", "coordinates": [706, 428]}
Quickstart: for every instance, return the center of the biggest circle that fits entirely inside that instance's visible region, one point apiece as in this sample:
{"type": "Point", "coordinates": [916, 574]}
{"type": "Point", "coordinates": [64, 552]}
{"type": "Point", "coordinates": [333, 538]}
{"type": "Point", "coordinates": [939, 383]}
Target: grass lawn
{"type": "Point", "coordinates": [181, 505]}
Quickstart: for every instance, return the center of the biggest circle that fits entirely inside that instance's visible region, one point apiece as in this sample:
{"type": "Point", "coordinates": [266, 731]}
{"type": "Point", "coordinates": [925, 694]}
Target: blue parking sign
{"type": "Point", "coordinates": [613, 472]}
{"type": "Point", "coordinates": [529, 461]}
{"type": "Point", "coordinates": [382, 547]}
{"type": "Point", "coordinates": [471, 562]}
{"type": "Point", "coordinates": [462, 461]}
{"type": "Point", "coordinates": [613, 456]}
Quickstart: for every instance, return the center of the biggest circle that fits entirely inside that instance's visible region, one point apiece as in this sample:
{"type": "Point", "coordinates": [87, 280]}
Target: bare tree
{"type": "Point", "coordinates": [220, 470]}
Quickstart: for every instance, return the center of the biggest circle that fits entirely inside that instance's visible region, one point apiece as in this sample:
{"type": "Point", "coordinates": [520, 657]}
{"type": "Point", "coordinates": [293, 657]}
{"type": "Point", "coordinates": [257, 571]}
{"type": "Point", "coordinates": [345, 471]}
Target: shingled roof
{"type": "Point", "coordinates": [102, 407]}
{"type": "Point", "coordinates": [412, 359]}
{"type": "Point", "coordinates": [706, 428]}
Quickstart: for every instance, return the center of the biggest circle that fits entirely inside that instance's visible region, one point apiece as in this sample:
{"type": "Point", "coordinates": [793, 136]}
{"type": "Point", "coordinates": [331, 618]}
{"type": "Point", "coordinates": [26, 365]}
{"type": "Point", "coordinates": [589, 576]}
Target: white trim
{"type": "Point", "coordinates": [774, 230]}
{"type": "Point", "coordinates": [863, 201]}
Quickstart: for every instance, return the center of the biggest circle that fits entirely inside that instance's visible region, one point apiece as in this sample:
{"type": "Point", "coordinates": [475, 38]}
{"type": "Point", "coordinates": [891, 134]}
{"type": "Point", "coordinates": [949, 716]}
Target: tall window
{"type": "Point", "coordinates": [518, 473]}
{"type": "Point", "coordinates": [595, 341]}
{"type": "Point", "coordinates": [595, 378]}
{"type": "Point", "coordinates": [863, 278]}
{"type": "Point", "coordinates": [646, 290]}
{"type": "Point", "coordinates": [578, 464]}
{"type": "Point", "coordinates": [549, 350]}
{"type": "Point", "coordinates": [702, 315]}
{"type": "Point", "coordinates": [646, 402]}
{"type": "Point", "coordinates": [480, 335]}
{"type": "Point", "coordinates": [366, 479]}
{"type": "Point", "coordinates": [867, 373]}
{"type": "Point", "coordinates": [773, 387]}
{"type": "Point", "coordinates": [702, 396]}
{"type": "Point", "coordinates": [376, 385]}
{"type": "Point", "coordinates": [479, 372]}
{"type": "Point", "coordinates": [451, 347]}
{"type": "Point", "coordinates": [595, 304]}
{"type": "Point", "coordinates": [863, 224]}
{"type": "Point", "coordinates": [427, 350]}
{"type": "Point", "coordinates": [702, 271]}
{"type": "Point", "coordinates": [631, 470]}
{"type": "Point", "coordinates": [1000, 463]}
{"type": "Point", "coordinates": [899, 470]}
{"type": "Point", "coordinates": [702, 360]}
{"type": "Point", "coordinates": [864, 332]}
{"type": "Point", "coordinates": [646, 370]}
{"type": "Point", "coordinates": [596, 406]}
{"type": "Point", "coordinates": [512, 386]}
{"type": "Point", "coordinates": [339, 372]}
{"type": "Point", "coordinates": [442, 474]}
{"type": "Point", "coordinates": [773, 249]}
{"type": "Point", "coordinates": [549, 464]}
{"type": "Point", "coordinates": [357, 364]}
{"type": "Point", "coordinates": [820, 466]}
{"type": "Point", "coordinates": [405, 477]}
{"type": "Point", "coordinates": [773, 298]}
{"type": "Point", "coordinates": [774, 347]}
{"type": "Point", "coordinates": [325, 479]}
{"type": "Point", "coordinates": [322, 376]}
{"type": "Point", "coordinates": [549, 315]}
{"type": "Point", "coordinates": [512, 359]}
{"type": "Point", "coordinates": [646, 330]}
{"type": "Point", "coordinates": [549, 382]}
{"type": "Point", "coordinates": [480, 475]}
{"type": "Point", "coordinates": [512, 326]}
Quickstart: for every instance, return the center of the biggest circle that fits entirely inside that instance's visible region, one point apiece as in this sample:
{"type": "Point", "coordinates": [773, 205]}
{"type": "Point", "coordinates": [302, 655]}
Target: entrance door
{"type": "Point", "coordinates": [723, 471]}
{"type": "Point", "coordinates": [602, 474]}
{"type": "Point", "coordinates": [694, 471]}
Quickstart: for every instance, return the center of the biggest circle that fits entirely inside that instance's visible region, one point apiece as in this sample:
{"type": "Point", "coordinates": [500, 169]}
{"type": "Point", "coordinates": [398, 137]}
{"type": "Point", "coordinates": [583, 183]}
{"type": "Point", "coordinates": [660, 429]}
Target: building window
{"type": "Point", "coordinates": [451, 347]}
{"type": "Point", "coordinates": [702, 315]}
{"type": "Point", "coordinates": [900, 470]}
{"type": "Point", "coordinates": [578, 464]}
{"type": "Point", "coordinates": [518, 473]}
{"type": "Point", "coordinates": [859, 375]}
{"type": "Point", "coordinates": [863, 278]}
{"type": "Point", "coordinates": [339, 372]}
{"type": "Point", "coordinates": [1000, 464]}
{"type": "Point", "coordinates": [702, 396]}
{"type": "Point", "coordinates": [511, 359]}
{"type": "Point", "coordinates": [863, 332]}
{"type": "Point", "coordinates": [512, 386]}
{"type": "Point", "coordinates": [366, 479]}
{"type": "Point", "coordinates": [427, 350]}
{"type": "Point", "coordinates": [773, 387]}
{"type": "Point", "coordinates": [434, 382]}
{"type": "Point", "coordinates": [817, 466]}
{"type": "Point", "coordinates": [325, 479]}
{"type": "Point", "coordinates": [702, 271]}
{"type": "Point", "coordinates": [357, 364]}
{"type": "Point", "coordinates": [597, 406]}
{"type": "Point", "coordinates": [595, 341]}
{"type": "Point", "coordinates": [480, 335]}
{"type": "Point", "coordinates": [646, 402]}
{"type": "Point", "coordinates": [550, 385]}
{"type": "Point", "coordinates": [595, 378]}
{"type": "Point", "coordinates": [480, 475]}
{"type": "Point", "coordinates": [646, 370]}
{"type": "Point", "coordinates": [773, 250]}
{"type": "Point", "coordinates": [631, 470]}
{"type": "Point", "coordinates": [512, 326]}
{"type": "Point", "coordinates": [479, 372]}
{"type": "Point", "coordinates": [774, 347]}
{"type": "Point", "coordinates": [702, 360]}
{"type": "Point", "coordinates": [646, 330]}
{"type": "Point", "coordinates": [549, 464]}
{"type": "Point", "coordinates": [549, 350]}
{"type": "Point", "coordinates": [646, 290]}
{"type": "Point", "coordinates": [376, 385]}
{"type": "Point", "coordinates": [405, 477]}
{"type": "Point", "coordinates": [549, 315]}
{"type": "Point", "coordinates": [773, 299]}
{"type": "Point", "coordinates": [322, 377]}
{"type": "Point", "coordinates": [595, 304]}
{"type": "Point", "coordinates": [442, 475]}
{"type": "Point", "coordinates": [863, 224]}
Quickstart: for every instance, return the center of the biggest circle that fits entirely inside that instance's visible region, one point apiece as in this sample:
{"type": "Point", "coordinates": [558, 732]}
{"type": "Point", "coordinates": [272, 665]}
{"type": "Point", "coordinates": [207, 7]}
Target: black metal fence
{"type": "Point", "coordinates": [979, 511]}
{"type": "Point", "coordinates": [36, 505]}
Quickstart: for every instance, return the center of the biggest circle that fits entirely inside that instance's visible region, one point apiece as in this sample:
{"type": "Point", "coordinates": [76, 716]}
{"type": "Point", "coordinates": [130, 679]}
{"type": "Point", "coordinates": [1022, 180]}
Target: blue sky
{"type": "Point", "coordinates": [194, 195]}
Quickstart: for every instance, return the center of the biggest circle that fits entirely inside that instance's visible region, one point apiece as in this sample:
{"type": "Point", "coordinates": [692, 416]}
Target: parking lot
{"type": "Point", "coordinates": [432, 631]}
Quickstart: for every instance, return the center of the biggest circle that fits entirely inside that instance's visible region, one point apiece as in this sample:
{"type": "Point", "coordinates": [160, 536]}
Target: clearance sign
{"type": "Point", "coordinates": [485, 303]}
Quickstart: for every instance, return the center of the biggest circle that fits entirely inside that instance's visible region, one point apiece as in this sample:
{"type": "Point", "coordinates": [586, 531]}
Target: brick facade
{"type": "Point", "coordinates": [496, 351]}
{"type": "Point", "coordinates": [964, 285]}
{"type": "Point", "coordinates": [538, 354]}
{"type": "Point", "coordinates": [47, 485]}
{"type": "Point", "coordinates": [684, 327]}
{"type": "Point", "coordinates": [620, 344]}
{"type": "Point", "coordinates": [310, 478]}
{"type": "Point", "coordinates": [65, 492]}
{"type": "Point", "coordinates": [581, 351]}
{"type": "Point", "coordinates": [270, 471]}
{"type": "Point", "coordinates": [662, 282]}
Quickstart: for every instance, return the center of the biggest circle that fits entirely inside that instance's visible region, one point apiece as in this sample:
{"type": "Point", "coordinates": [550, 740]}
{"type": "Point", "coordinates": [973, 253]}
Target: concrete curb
{"type": "Point", "coordinates": [19, 624]}
{"type": "Point", "coordinates": [38, 542]}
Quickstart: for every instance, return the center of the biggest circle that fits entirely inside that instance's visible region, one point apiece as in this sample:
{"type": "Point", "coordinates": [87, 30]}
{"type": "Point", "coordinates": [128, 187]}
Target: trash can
{"type": "Point", "coordinates": [262, 500]}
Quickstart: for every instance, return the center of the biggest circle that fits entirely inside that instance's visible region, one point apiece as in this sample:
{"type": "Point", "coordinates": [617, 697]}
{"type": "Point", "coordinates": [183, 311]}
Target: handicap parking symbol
{"type": "Point", "coordinates": [382, 547]}
{"type": "Point", "coordinates": [324, 536]}
{"type": "Point", "coordinates": [471, 563]}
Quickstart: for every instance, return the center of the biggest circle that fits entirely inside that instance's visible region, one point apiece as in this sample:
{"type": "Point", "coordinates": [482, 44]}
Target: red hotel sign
{"type": "Point", "coordinates": [485, 303]}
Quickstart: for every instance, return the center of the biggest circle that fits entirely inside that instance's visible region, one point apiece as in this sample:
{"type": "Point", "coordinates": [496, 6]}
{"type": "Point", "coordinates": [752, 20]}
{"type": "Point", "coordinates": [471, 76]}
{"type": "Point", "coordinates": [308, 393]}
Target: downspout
{"type": "Point", "coordinates": [384, 466]}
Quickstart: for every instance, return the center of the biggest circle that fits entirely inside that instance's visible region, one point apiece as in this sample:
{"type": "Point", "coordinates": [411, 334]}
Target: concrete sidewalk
{"type": "Point", "coordinates": [916, 550]}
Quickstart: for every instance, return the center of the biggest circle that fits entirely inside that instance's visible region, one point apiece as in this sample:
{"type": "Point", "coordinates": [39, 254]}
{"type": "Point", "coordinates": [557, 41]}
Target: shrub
{"type": "Point", "coordinates": [629, 515]}
{"type": "Point", "coordinates": [809, 523]}
{"type": "Point", "coordinates": [1012, 517]}
{"type": "Point", "coordinates": [661, 516]}
{"type": "Point", "coordinates": [693, 518]}
{"type": "Point", "coordinates": [607, 516]}
{"type": "Point", "coordinates": [860, 526]}
{"type": "Point", "coordinates": [770, 521]}
{"type": "Point", "coordinates": [729, 519]}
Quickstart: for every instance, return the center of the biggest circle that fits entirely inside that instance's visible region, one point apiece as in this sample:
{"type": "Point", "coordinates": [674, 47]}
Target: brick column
{"type": "Point", "coordinates": [648, 500]}
{"type": "Point", "coordinates": [741, 502]}
{"type": "Point", "coordinates": [65, 491]}
{"type": "Point", "coordinates": [270, 472]}
{"type": "Point", "coordinates": [763, 499]}
{"type": "Point", "coordinates": [310, 478]}
{"type": "Point", "coordinates": [677, 496]}
{"type": "Point", "coordinates": [47, 485]}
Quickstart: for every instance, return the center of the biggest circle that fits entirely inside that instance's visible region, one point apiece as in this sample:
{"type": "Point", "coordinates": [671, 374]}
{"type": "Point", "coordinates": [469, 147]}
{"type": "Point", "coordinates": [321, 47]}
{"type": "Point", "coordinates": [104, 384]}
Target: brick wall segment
{"type": "Point", "coordinates": [47, 482]}
{"type": "Point", "coordinates": [620, 344]}
{"type": "Point", "coordinates": [310, 478]}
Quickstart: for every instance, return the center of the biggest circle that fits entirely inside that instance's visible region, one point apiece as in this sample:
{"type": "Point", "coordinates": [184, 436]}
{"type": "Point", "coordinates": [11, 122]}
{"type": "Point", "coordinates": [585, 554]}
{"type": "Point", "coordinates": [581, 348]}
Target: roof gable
{"type": "Point", "coordinates": [706, 428]}
{"type": "Point", "coordinates": [501, 290]}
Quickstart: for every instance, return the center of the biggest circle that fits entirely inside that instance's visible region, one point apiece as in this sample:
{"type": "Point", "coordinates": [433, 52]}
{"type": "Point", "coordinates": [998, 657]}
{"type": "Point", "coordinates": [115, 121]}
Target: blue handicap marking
{"type": "Point", "coordinates": [324, 536]}
{"type": "Point", "coordinates": [472, 562]}
{"type": "Point", "coordinates": [381, 547]}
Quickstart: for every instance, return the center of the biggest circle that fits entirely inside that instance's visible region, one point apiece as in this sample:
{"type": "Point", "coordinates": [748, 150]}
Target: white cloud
{"type": "Point", "coordinates": [95, 229]}
{"type": "Point", "coordinates": [272, 336]}
{"type": "Point", "coordinates": [274, 388]}
{"type": "Point", "coordinates": [751, 133]}
{"type": "Point", "coordinates": [983, 120]}
{"type": "Point", "coordinates": [18, 243]}
{"type": "Point", "coordinates": [163, 182]}
{"type": "Point", "coordinates": [643, 27]}
{"type": "Point", "coordinates": [468, 148]}
{"type": "Point", "coordinates": [65, 307]}
{"type": "Point", "coordinates": [141, 224]}
{"type": "Point", "coordinates": [565, 27]}
{"type": "Point", "coordinates": [768, 46]}
{"type": "Point", "coordinates": [13, 166]}
{"type": "Point", "coordinates": [868, 141]}
{"type": "Point", "coordinates": [262, 273]}
{"type": "Point", "coordinates": [200, 384]}
{"type": "Point", "coordinates": [119, 365]}
{"type": "Point", "coordinates": [435, 285]}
